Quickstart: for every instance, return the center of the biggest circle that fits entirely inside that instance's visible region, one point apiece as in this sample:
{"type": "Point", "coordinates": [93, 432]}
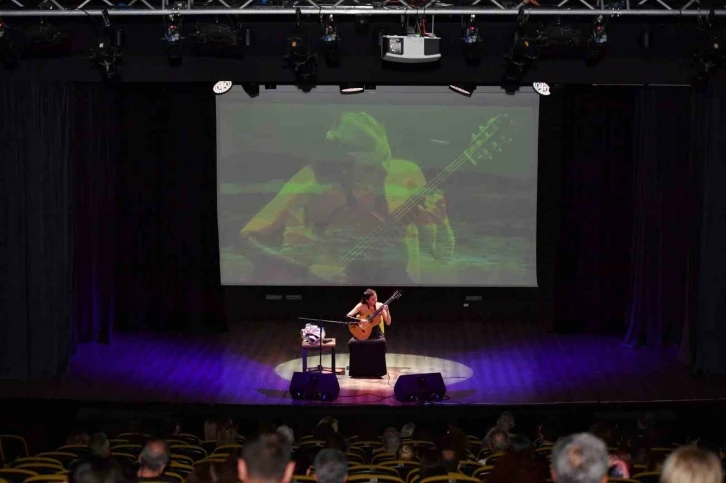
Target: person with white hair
{"type": "Point", "coordinates": [691, 465]}
{"type": "Point", "coordinates": [580, 458]}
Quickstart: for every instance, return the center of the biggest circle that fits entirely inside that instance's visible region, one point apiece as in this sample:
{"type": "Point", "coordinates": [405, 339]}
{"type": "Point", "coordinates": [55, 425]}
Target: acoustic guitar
{"type": "Point", "coordinates": [362, 329]}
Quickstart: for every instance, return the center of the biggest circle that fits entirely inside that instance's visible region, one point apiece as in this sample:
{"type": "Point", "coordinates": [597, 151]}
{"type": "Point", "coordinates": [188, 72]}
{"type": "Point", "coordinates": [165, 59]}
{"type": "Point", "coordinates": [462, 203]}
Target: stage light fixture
{"type": "Point", "coordinates": [107, 53]}
{"type": "Point", "coordinates": [471, 41]}
{"type": "Point", "coordinates": [463, 89]}
{"type": "Point", "coordinates": [173, 35]}
{"type": "Point", "coordinates": [541, 88]}
{"type": "Point", "coordinates": [222, 87]}
{"type": "Point", "coordinates": [299, 58]}
{"type": "Point", "coordinates": [8, 53]}
{"type": "Point", "coordinates": [598, 42]}
{"type": "Point", "coordinates": [352, 88]}
{"type": "Point", "coordinates": [331, 42]}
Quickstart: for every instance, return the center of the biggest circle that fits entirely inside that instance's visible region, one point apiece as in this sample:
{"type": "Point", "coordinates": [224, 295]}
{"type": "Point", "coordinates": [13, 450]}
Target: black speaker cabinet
{"type": "Point", "coordinates": [420, 387]}
{"type": "Point", "coordinates": [314, 386]}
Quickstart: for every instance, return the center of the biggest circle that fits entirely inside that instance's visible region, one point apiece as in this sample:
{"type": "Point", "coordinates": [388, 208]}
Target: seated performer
{"type": "Point", "coordinates": [365, 308]}
{"type": "Point", "coordinates": [368, 357]}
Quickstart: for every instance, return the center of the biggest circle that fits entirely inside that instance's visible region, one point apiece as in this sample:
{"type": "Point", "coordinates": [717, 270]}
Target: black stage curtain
{"type": "Point", "coordinates": [628, 231]}
{"type": "Point", "coordinates": [641, 240]}
{"type": "Point", "coordinates": [36, 252]}
{"type": "Point", "coordinates": [166, 216]}
{"type": "Point", "coordinates": [109, 217]}
{"type": "Point", "coordinates": [593, 253]}
{"type": "Point", "coordinates": [665, 218]}
{"type": "Point", "coordinates": [706, 332]}
{"type": "Point", "coordinates": [95, 147]}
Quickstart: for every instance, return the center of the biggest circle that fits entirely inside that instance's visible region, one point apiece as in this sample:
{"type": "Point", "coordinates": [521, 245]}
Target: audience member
{"type": "Point", "coordinates": [227, 434]}
{"type": "Point", "coordinates": [506, 422]}
{"type": "Point", "coordinates": [286, 433]}
{"type": "Point", "coordinates": [266, 460]}
{"type": "Point", "coordinates": [99, 450]}
{"type": "Point", "coordinates": [153, 460]}
{"type": "Point", "coordinates": [97, 471]}
{"type": "Point", "coordinates": [210, 430]}
{"type": "Point", "coordinates": [226, 472]}
{"type": "Point", "coordinates": [407, 430]}
{"type": "Point", "coordinates": [519, 463]}
{"type": "Point", "coordinates": [692, 465]}
{"type": "Point", "coordinates": [497, 441]}
{"type": "Point", "coordinates": [580, 458]}
{"type": "Point", "coordinates": [432, 464]}
{"type": "Point", "coordinates": [337, 441]}
{"type": "Point", "coordinates": [549, 431]}
{"type": "Point", "coordinates": [331, 466]}
{"type": "Point", "coordinates": [391, 440]}
{"type": "Point", "coordinates": [405, 453]}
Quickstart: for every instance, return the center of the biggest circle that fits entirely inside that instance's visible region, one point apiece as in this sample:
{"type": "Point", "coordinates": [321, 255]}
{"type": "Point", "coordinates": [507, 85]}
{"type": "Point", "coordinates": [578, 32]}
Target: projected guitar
{"type": "Point", "coordinates": [357, 245]}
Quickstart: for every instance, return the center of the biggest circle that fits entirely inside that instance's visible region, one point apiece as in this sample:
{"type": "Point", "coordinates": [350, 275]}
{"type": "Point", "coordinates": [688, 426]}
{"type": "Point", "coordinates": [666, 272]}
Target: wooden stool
{"type": "Point", "coordinates": [328, 344]}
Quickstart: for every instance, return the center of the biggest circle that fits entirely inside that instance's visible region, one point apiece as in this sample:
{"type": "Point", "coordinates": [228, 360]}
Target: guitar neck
{"type": "Point", "coordinates": [399, 215]}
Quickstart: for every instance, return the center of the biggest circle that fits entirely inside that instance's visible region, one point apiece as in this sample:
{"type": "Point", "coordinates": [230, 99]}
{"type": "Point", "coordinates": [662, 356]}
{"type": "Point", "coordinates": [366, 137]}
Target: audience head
{"type": "Point", "coordinates": [210, 430]}
{"type": "Point", "coordinates": [692, 465]}
{"type": "Point", "coordinates": [214, 472]}
{"type": "Point", "coordinates": [580, 458]}
{"type": "Point", "coordinates": [405, 453]}
{"type": "Point", "coordinates": [78, 436]}
{"type": "Point", "coordinates": [99, 445]}
{"type": "Point", "coordinates": [506, 421]}
{"type": "Point", "coordinates": [286, 433]}
{"type": "Point", "coordinates": [519, 444]}
{"type": "Point", "coordinates": [550, 430]}
{"type": "Point", "coordinates": [331, 466]}
{"type": "Point", "coordinates": [497, 439]}
{"type": "Point", "coordinates": [391, 440]}
{"type": "Point", "coordinates": [331, 421]}
{"type": "Point", "coordinates": [98, 471]}
{"type": "Point", "coordinates": [407, 430]}
{"type": "Point", "coordinates": [153, 458]}
{"type": "Point", "coordinates": [227, 434]}
{"type": "Point", "coordinates": [432, 464]}
{"type": "Point", "coordinates": [337, 441]}
{"type": "Point", "coordinates": [266, 460]}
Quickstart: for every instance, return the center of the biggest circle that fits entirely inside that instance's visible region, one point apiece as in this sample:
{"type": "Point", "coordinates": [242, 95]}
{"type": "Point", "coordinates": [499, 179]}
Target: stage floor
{"type": "Point", "coordinates": [482, 363]}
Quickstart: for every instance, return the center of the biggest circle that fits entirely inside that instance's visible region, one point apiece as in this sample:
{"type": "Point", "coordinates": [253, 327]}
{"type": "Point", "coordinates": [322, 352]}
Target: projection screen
{"type": "Point", "coordinates": [398, 186]}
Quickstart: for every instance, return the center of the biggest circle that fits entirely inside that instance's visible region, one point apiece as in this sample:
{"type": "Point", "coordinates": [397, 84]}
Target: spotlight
{"type": "Point", "coordinates": [598, 42]}
{"type": "Point", "coordinates": [463, 89]}
{"type": "Point", "coordinates": [351, 88]}
{"type": "Point", "coordinates": [331, 42]}
{"type": "Point", "coordinates": [541, 88]}
{"type": "Point", "coordinates": [107, 52]}
{"type": "Point", "coordinates": [299, 57]}
{"type": "Point", "coordinates": [173, 35]}
{"type": "Point", "coordinates": [8, 54]}
{"type": "Point", "coordinates": [222, 87]}
{"type": "Point", "coordinates": [471, 41]}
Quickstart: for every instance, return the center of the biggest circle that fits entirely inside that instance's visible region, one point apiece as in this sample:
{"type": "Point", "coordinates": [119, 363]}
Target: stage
{"type": "Point", "coordinates": [483, 363]}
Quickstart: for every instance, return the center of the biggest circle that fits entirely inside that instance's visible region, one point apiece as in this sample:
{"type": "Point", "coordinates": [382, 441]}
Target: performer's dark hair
{"type": "Point", "coordinates": [366, 295]}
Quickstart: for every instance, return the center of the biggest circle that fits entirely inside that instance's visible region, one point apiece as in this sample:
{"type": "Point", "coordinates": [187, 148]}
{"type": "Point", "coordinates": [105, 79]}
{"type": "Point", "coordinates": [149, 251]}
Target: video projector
{"type": "Point", "coordinates": [411, 49]}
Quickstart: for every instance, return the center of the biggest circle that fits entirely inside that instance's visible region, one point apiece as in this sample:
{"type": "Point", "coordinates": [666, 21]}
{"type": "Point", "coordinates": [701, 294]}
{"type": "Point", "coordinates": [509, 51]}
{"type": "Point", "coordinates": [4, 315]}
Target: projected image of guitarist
{"type": "Point", "coordinates": [364, 216]}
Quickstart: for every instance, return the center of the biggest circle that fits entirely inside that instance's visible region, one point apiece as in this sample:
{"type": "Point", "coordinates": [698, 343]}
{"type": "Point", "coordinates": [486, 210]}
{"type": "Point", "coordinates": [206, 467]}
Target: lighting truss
{"type": "Point", "coordinates": [644, 8]}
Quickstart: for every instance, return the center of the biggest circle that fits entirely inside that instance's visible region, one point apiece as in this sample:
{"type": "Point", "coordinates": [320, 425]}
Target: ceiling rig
{"type": "Point", "coordinates": [482, 8]}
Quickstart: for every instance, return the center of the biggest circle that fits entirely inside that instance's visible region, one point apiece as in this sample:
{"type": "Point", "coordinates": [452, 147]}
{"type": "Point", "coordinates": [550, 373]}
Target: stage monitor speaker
{"type": "Point", "coordinates": [314, 386]}
{"type": "Point", "coordinates": [420, 387]}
